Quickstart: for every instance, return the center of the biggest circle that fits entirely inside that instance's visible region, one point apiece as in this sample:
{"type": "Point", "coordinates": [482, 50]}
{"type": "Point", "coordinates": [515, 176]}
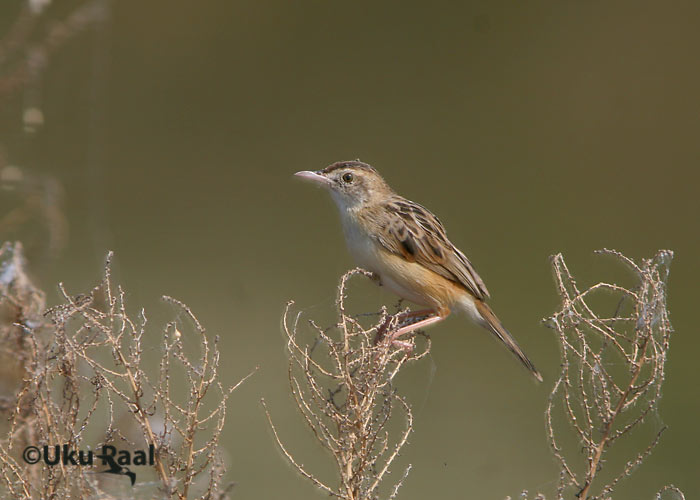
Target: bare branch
{"type": "Point", "coordinates": [612, 367]}
{"type": "Point", "coordinates": [342, 383]}
{"type": "Point", "coordinates": [83, 359]}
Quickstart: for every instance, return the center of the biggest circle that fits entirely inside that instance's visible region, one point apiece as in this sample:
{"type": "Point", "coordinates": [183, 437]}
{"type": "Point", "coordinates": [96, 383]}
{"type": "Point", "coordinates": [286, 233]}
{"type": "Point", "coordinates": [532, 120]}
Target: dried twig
{"type": "Point", "coordinates": [612, 368]}
{"type": "Point", "coordinates": [84, 378]}
{"type": "Point", "coordinates": [342, 384]}
{"type": "Point", "coordinates": [24, 54]}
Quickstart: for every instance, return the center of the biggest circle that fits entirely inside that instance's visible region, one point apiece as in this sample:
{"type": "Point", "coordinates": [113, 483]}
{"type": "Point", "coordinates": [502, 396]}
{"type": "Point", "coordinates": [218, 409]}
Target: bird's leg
{"type": "Point", "coordinates": [406, 345]}
{"type": "Point", "coordinates": [401, 317]}
{"type": "Point", "coordinates": [417, 325]}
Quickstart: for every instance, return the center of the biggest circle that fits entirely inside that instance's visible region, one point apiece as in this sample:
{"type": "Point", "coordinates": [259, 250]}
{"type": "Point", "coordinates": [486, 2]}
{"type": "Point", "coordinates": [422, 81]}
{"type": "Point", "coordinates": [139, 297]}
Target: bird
{"type": "Point", "coordinates": [406, 249]}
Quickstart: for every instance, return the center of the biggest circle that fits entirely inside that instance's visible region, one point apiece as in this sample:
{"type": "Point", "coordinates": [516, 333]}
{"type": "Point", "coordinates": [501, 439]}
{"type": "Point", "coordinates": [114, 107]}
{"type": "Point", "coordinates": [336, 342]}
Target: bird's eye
{"type": "Point", "coordinates": [348, 177]}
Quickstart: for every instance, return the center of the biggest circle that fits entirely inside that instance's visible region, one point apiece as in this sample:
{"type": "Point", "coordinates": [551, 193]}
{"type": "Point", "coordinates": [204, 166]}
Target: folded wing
{"type": "Point", "coordinates": [416, 234]}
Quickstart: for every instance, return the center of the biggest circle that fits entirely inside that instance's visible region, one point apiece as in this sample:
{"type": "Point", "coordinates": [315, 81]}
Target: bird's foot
{"type": "Point", "coordinates": [403, 344]}
{"type": "Point", "coordinates": [376, 278]}
{"type": "Point", "coordinates": [428, 318]}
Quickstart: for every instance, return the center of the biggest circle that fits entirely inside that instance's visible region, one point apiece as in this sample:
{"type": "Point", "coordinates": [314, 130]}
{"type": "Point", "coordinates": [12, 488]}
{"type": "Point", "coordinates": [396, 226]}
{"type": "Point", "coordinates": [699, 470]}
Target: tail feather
{"type": "Point", "coordinates": [493, 324]}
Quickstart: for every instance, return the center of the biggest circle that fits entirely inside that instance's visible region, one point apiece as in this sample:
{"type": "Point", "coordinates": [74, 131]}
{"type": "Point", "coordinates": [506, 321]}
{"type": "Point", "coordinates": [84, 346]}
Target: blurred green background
{"type": "Point", "coordinates": [173, 130]}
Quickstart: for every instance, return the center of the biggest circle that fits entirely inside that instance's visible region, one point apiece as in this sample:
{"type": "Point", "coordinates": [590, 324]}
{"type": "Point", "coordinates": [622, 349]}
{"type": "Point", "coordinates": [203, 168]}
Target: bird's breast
{"type": "Point", "coordinates": [361, 245]}
{"type": "Point", "coordinates": [408, 280]}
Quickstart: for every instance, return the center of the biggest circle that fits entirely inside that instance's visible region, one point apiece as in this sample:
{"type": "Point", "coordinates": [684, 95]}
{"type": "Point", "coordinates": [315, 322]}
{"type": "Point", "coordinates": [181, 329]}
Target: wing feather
{"type": "Point", "coordinates": [410, 230]}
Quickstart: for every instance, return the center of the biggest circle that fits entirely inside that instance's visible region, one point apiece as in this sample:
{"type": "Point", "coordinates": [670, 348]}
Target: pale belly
{"type": "Point", "coordinates": [406, 279]}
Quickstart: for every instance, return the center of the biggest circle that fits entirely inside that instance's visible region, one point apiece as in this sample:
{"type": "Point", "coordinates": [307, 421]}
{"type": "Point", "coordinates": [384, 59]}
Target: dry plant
{"type": "Point", "coordinates": [32, 206]}
{"type": "Point", "coordinates": [29, 43]}
{"type": "Point", "coordinates": [21, 306]}
{"type": "Point", "coordinates": [84, 382]}
{"type": "Point", "coordinates": [612, 371]}
{"type": "Point", "coordinates": [342, 383]}
{"type": "Point", "coordinates": [31, 40]}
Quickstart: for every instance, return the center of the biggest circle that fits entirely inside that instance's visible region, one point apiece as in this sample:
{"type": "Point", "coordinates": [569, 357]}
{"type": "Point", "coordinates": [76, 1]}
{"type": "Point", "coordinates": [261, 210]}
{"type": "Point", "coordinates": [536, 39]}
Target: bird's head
{"type": "Point", "coordinates": [352, 183]}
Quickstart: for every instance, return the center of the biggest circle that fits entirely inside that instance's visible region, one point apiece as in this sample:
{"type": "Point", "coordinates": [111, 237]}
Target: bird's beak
{"type": "Point", "coordinates": [315, 177]}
